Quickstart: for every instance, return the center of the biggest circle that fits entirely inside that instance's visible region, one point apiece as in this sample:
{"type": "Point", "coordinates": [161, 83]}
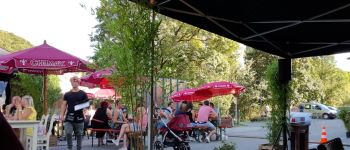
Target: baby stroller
{"type": "Point", "coordinates": [174, 134]}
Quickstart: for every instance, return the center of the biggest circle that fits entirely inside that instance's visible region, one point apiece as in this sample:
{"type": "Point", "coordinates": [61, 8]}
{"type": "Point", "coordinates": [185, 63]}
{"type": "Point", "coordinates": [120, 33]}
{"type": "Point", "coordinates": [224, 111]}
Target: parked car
{"type": "Point", "coordinates": [333, 108]}
{"type": "Point", "coordinates": [319, 110]}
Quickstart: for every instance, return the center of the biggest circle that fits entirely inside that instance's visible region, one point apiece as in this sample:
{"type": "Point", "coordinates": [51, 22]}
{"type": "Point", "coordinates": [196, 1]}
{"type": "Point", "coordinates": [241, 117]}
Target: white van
{"type": "Point", "coordinates": [319, 110]}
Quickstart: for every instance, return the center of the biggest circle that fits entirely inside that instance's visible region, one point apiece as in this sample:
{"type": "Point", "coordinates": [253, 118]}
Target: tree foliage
{"type": "Point", "coordinates": [123, 39]}
{"type": "Point", "coordinates": [12, 42]}
{"type": "Point", "coordinates": [181, 51]}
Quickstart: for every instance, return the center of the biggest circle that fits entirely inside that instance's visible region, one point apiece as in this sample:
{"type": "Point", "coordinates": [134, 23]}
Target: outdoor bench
{"type": "Point", "coordinates": [94, 130]}
{"type": "Point", "coordinates": [334, 144]}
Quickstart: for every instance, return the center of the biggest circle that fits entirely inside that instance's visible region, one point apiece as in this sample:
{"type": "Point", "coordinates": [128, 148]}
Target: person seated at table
{"type": "Point", "coordinates": [203, 119]}
{"type": "Point", "coordinates": [165, 114]}
{"type": "Point", "coordinates": [139, 124]}
{"type": "Point", "coordinates": [26, 111]}
{"type": "Point", "coordinates": [117, 116]}
{"type": "Point", "coordinates": [11, 108]}
{"type": "Point", "coordinates": [100, 120]}
{"type": "Point", "coordinates": [182, 109]}
{"type": "Point", "coordinates": [214, 118]}
{"type": "Point", "coordinates": [87, 118]}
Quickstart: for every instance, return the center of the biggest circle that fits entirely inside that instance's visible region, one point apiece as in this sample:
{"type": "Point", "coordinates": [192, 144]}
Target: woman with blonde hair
{"type": "Point", "coordinates": [139, 124]}
{"type": "Point", "coordinates": [26, 111]}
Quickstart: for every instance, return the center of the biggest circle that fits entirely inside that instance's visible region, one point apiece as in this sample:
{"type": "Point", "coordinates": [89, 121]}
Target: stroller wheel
{"type": "Point", "coordinates": [158, 145]}
{"type": "Point", "coordinates": [182, 146]}
{"type": "Point", "coordinates": [197, 136]}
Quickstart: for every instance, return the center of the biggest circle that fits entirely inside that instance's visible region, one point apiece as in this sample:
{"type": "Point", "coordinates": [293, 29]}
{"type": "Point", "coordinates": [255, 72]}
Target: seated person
{"type": "Point", "coordinates": [203, 119]}
{"type": "Point", "coordinates": [100, 120]}
{"type": "Point", "coordinates": [139, 124]}
{"type": "Point", "coordinates": [25, 111]}
{"type": "Point", "coordinates": [182, 109]}
{"type": "Point", "coordinates": [117, 116]}
{"type": "Point", "coordinates": [214, 118]}
{"type": "Point", "coordinates": [165, 114]}
{"type": "Point", "coordinates": [11, 108]}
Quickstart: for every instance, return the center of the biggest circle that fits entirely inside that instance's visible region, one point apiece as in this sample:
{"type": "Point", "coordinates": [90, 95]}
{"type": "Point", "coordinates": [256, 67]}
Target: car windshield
{"type": "Point", "coordinates": [324, 106]}
{"type": "Point", "coordinates": [332, 108]}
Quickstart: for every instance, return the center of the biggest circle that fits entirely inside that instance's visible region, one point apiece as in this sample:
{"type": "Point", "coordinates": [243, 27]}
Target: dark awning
{"type": "Point", "coordinates": [287, 28]}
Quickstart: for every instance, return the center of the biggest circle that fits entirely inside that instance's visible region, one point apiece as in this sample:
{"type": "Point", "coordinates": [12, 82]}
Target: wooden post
{"type": "Point", "coordinates": [45, 94]}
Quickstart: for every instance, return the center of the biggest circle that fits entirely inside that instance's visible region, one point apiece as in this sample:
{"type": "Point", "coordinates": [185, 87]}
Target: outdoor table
{"type": "Point", "coordinates": [23, 124]}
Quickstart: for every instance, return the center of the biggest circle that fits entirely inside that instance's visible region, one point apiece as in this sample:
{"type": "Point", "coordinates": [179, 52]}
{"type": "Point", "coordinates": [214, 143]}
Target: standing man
{"type": "Point", "coordinates": [74, 119]}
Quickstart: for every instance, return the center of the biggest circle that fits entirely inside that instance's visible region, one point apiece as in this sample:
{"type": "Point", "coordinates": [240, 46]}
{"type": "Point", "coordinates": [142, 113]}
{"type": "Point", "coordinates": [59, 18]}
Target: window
{"type": "Point", "coordinates": [307, 106]}
{"type": "Point", "coordinates": [318, 107]}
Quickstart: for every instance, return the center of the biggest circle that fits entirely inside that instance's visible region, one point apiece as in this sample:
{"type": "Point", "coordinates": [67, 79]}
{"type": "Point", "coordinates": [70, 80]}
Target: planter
{"type": "Point", "coordinates": [348, 134]}
{"type": "Point", "coordinates": [269, 147]}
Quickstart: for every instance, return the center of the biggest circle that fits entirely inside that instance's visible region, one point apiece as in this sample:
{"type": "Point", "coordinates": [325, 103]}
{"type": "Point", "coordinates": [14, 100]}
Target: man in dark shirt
{"type": "Point", "coordinates": [74, 119]}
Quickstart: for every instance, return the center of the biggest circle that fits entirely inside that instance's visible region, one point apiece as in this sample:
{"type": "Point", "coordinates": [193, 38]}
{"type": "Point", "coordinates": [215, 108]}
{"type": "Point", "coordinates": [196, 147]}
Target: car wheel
{"type": "Point", "coordinates": [325, 116]}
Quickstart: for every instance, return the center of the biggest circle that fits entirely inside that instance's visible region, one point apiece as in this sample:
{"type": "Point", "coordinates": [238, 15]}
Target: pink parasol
{"type": "Point", "coordinates": [97, 78]}
{"type": "Point", "coordinates": [188, 95]}
{"type": "Point", "coordinates": [43, 59]}
{"type": "Point", "coordinates": [106, 94]}
{"type": "Point", "coordinates": [220, 88]}
{"type": "Point", "coordinates": [90, 95]}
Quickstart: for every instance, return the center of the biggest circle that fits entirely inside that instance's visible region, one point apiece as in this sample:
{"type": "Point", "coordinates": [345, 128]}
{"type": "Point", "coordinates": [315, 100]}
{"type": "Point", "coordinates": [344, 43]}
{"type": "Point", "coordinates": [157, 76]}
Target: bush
{"type": "Point", "coordinates": [344, 115]}
{"type": "Point", "coordinates": [226, 146]}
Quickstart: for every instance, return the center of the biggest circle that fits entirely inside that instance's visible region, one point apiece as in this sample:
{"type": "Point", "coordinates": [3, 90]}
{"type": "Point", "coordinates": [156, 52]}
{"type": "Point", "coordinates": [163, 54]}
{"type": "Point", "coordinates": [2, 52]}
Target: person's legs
{"type": "Point", "coordinates": [121, 133]}
{"type": "Point", "coordinates": [211, 128]}
{"type": "Point", "coordinates": [69, 130]}
{"type": "Point", "coordinates": [99, 136]}
{"type": "Point", "coordinates": [79, 129]}
{"type": "Point", "coordinates": [125, 138]}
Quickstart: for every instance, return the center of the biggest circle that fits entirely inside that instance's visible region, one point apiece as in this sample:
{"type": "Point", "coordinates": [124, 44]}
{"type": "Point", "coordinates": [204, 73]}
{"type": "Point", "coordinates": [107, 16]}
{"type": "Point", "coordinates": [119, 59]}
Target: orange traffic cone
{"type": "Point", "coordinates": [323, 135]}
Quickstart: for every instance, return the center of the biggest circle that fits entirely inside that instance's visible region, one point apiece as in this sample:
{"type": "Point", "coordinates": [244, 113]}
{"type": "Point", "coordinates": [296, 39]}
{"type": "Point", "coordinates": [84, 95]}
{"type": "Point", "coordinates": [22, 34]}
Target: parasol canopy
{"type": "Point", "coordinates": [106, 94]}
{"type": "Point", "coordinates": [98, 78]}
{"type": "Point", "coordinates": [189, 95]}
{"type": "Point", "coordinates": [220, 88]}
{"type": "Point", "coordinates": [42, 60]}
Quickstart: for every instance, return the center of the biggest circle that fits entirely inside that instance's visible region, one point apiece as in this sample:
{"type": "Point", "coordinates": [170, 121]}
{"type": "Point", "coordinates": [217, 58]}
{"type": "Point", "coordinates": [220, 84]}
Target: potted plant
{"type": "Point", "coordinates": [345, 116]}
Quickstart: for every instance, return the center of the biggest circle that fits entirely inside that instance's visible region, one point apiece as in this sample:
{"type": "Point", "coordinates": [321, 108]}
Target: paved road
{"type": "Point", "coordinates": [249, 136]}
{"type": "Point", "coordinates": [253, 134]}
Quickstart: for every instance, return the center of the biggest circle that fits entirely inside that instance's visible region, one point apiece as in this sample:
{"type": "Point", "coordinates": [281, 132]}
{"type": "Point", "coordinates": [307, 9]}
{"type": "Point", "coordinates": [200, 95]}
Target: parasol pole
{"type": "Point", "coordinates": [45, 93]}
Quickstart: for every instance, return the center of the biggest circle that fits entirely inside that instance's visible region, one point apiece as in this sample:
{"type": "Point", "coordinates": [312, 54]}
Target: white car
{"type": "Point", "coordinates": [319, 110]}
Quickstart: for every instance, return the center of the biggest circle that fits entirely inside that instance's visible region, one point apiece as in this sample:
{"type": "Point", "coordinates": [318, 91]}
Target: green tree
{"type": "Point", "coordinates": [26, 84]}
{"type": "Point", "coordinates": [318, 79]}
{"type": "Point", "coordinates": [124, 40]}
{"type": "Point", "coordinates": [181, 51]}
{"type": "Point", "coordinates": [12, 42]}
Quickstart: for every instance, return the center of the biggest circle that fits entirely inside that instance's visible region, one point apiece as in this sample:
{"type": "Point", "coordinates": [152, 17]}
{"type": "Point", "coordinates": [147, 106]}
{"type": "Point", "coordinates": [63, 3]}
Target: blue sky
{"type": "Point", "coordinates": [64, 24]}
